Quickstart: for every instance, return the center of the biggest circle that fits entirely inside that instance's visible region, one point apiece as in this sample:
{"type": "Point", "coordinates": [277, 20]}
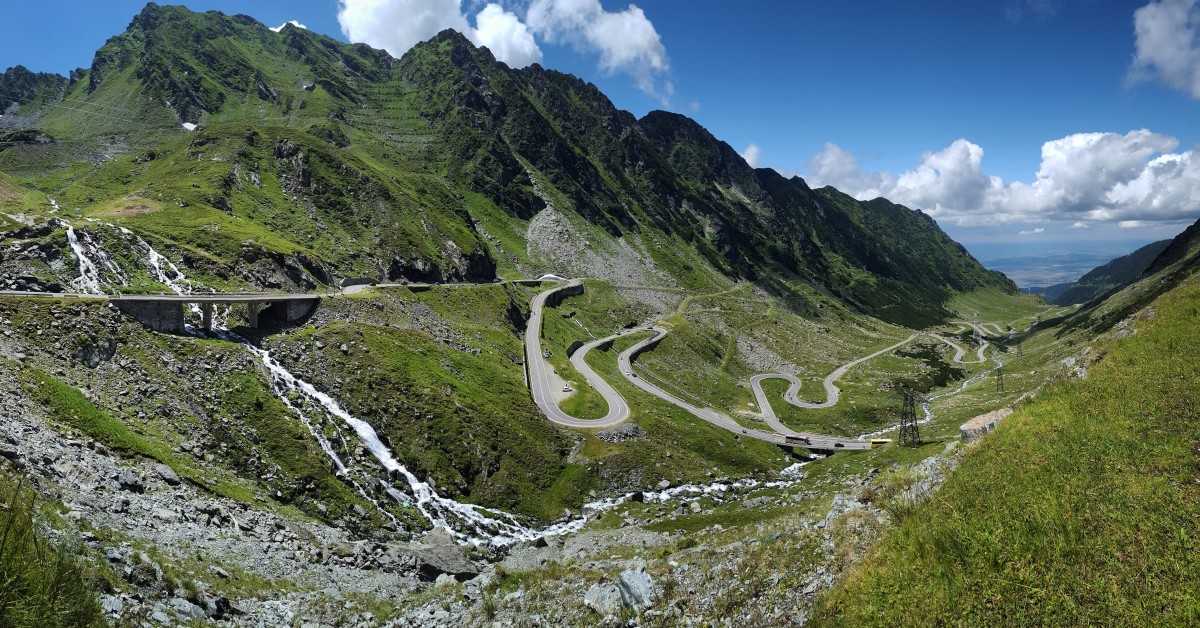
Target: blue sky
{"type": "Point", "coordinates": [940, 105]}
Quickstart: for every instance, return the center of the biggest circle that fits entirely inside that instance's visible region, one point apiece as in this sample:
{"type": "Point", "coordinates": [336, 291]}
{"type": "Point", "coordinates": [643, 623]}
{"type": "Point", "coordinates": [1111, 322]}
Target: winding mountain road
{"type": "Point", "coordinates": [832, 392]}
{"type": "Point", "coordinates": [959, 351]}
{"type": "Point", "coordinates": [540, 384]}
{"type": "Point", "coordinates": [720, 419]}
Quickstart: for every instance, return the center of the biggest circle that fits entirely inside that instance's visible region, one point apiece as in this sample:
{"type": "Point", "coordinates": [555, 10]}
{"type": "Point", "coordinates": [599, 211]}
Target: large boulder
{"type": "Point", "coordinates": [977, 427]}
{"type": "Point", "coordinates": [605, 599]}
{"type": "Point", "coordinates": [131, 481]}
{"type": "Point", "coordinates": [437, 554]}
{"type": "Point", "coordinates": [637, 589]}
{"type": "Point", "coordinates": [167, 474]}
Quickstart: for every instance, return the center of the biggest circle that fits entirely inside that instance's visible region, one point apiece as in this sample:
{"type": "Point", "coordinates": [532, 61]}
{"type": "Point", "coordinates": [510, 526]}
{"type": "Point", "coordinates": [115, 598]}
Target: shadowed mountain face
{"type": "Point", "coordinates": [1115, 274]}
{"type": "Point", "coordinates": [434, 166]}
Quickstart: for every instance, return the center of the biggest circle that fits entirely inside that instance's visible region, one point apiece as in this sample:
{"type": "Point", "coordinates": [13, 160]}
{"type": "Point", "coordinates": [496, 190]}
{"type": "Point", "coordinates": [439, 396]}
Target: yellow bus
{"type": "Point", "coordinates": [879, 442]}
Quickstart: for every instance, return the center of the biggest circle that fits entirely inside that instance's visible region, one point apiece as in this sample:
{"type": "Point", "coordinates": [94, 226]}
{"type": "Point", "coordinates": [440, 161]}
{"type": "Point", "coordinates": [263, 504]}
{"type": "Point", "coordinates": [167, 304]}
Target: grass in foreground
{"type": "Point", "coordinates": [39, 585]}
{"type": "Point", "coordinates": [1081, 508]}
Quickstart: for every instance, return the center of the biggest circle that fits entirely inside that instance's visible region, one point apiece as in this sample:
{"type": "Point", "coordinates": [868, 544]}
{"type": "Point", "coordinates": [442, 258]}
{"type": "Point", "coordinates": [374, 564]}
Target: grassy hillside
{"type": "Point", "coordinates": [1080, 508]}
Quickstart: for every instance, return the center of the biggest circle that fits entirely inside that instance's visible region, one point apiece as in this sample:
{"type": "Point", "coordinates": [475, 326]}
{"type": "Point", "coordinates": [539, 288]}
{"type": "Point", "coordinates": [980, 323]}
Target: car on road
{"type": "Point", "coordinates": [566, 389]}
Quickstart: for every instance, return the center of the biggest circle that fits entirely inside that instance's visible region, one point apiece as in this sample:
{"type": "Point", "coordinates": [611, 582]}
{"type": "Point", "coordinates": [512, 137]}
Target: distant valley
{"type": "Point", "coordinates": [1039, 270]}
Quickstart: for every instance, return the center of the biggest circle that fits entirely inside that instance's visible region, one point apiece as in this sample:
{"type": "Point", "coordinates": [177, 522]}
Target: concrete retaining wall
{"type": "Point", "coordinates": [648, 346]}
{"type": "Point", "coordinates": [296, 310]}
{"type": "Point", "coordinates": [287, 311]}
{"type": "Point", "coordinates": [562, 293]}
{"type": "Point", "coordinates": [167, 316]}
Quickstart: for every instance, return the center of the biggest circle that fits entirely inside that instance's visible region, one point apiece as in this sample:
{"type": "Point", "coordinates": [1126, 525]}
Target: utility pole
{"type": "Point", "coordinates": [909, 434]}
{"type": "Point", "coordinates": [1019, 350]}
{"type": "Point", "coordinates": [1000, 379]}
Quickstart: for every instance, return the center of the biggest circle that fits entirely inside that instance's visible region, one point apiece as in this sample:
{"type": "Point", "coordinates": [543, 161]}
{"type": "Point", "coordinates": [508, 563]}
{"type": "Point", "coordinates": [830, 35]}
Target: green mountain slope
{"type": "Point", "coordinates": [337, 161]}
{"type": "Point", "coordinates": [1115, 274]}
{"type": "Point", "coordinates": [1080, 507]}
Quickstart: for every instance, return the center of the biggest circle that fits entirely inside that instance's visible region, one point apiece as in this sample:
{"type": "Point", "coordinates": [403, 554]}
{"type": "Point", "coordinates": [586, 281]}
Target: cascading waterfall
{"type": "Point", "coordinates": [501, 529]}
{"type": "Point", "coordinates": [170, 276]}
{"type": "Point", "coordinates": [92, 258]}
{"type": "Point", "coordinates": [89, 274]}
{"type": "Point", "coordinates": [485, 526]}
{"type": "Point", "coordinates": [468, 523]}
{"type": "Point", "coordinates": [164, 271]}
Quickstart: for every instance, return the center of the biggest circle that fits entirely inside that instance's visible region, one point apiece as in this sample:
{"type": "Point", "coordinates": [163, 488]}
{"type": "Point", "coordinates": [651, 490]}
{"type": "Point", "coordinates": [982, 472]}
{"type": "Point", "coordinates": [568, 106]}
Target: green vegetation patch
{"type": "Point", "coordinates": [68, 405]}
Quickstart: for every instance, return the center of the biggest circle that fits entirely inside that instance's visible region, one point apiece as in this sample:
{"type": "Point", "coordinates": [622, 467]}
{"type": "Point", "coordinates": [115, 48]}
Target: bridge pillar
{"type": "Point", "coordinates": [206, 311]}
{"type": "Point", "coordinates": [252, 310]}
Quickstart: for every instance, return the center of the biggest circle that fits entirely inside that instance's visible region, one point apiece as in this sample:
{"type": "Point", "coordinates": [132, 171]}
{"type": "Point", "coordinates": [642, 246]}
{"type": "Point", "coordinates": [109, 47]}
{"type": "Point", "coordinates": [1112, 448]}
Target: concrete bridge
{"type": "Point", "coordinates": [164, 312]}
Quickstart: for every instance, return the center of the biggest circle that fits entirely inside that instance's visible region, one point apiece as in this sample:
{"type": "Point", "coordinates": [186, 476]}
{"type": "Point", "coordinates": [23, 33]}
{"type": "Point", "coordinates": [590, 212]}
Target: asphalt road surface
{"type": "Point", "coordinates": [542, 386]}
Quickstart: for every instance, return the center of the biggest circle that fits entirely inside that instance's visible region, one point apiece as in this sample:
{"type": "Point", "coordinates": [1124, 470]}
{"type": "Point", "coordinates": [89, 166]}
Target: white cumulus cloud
{"type": "Point", "coordinates": [625, 41]}
{"type": "Point", "coordinates": [1083, 178]}
{"type": "Point", "coordinates": [398, 25]}
{"type": "Point", "coordinates": [837, 167]}
{"type": "Point", "coordinates": [506, 36]}
{"type": "Point", "coordinates": [752, 154]}
{"type": "Point", "coordinates": [292, 22]}
{"type": "Point", "coordinates": [1033, 231]}
{"type": "Point", "coordinates": [1168, 44]}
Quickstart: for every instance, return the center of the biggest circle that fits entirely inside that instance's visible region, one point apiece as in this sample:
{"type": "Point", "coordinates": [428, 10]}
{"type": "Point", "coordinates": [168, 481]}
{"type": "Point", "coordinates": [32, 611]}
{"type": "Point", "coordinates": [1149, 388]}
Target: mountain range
{"type": "Point", "coordinates": [235, 143]}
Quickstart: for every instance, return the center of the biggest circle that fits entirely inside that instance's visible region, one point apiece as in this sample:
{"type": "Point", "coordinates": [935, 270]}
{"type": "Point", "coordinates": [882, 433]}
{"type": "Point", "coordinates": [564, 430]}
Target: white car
{"type": "Point", "coordinates": [566, 389]}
